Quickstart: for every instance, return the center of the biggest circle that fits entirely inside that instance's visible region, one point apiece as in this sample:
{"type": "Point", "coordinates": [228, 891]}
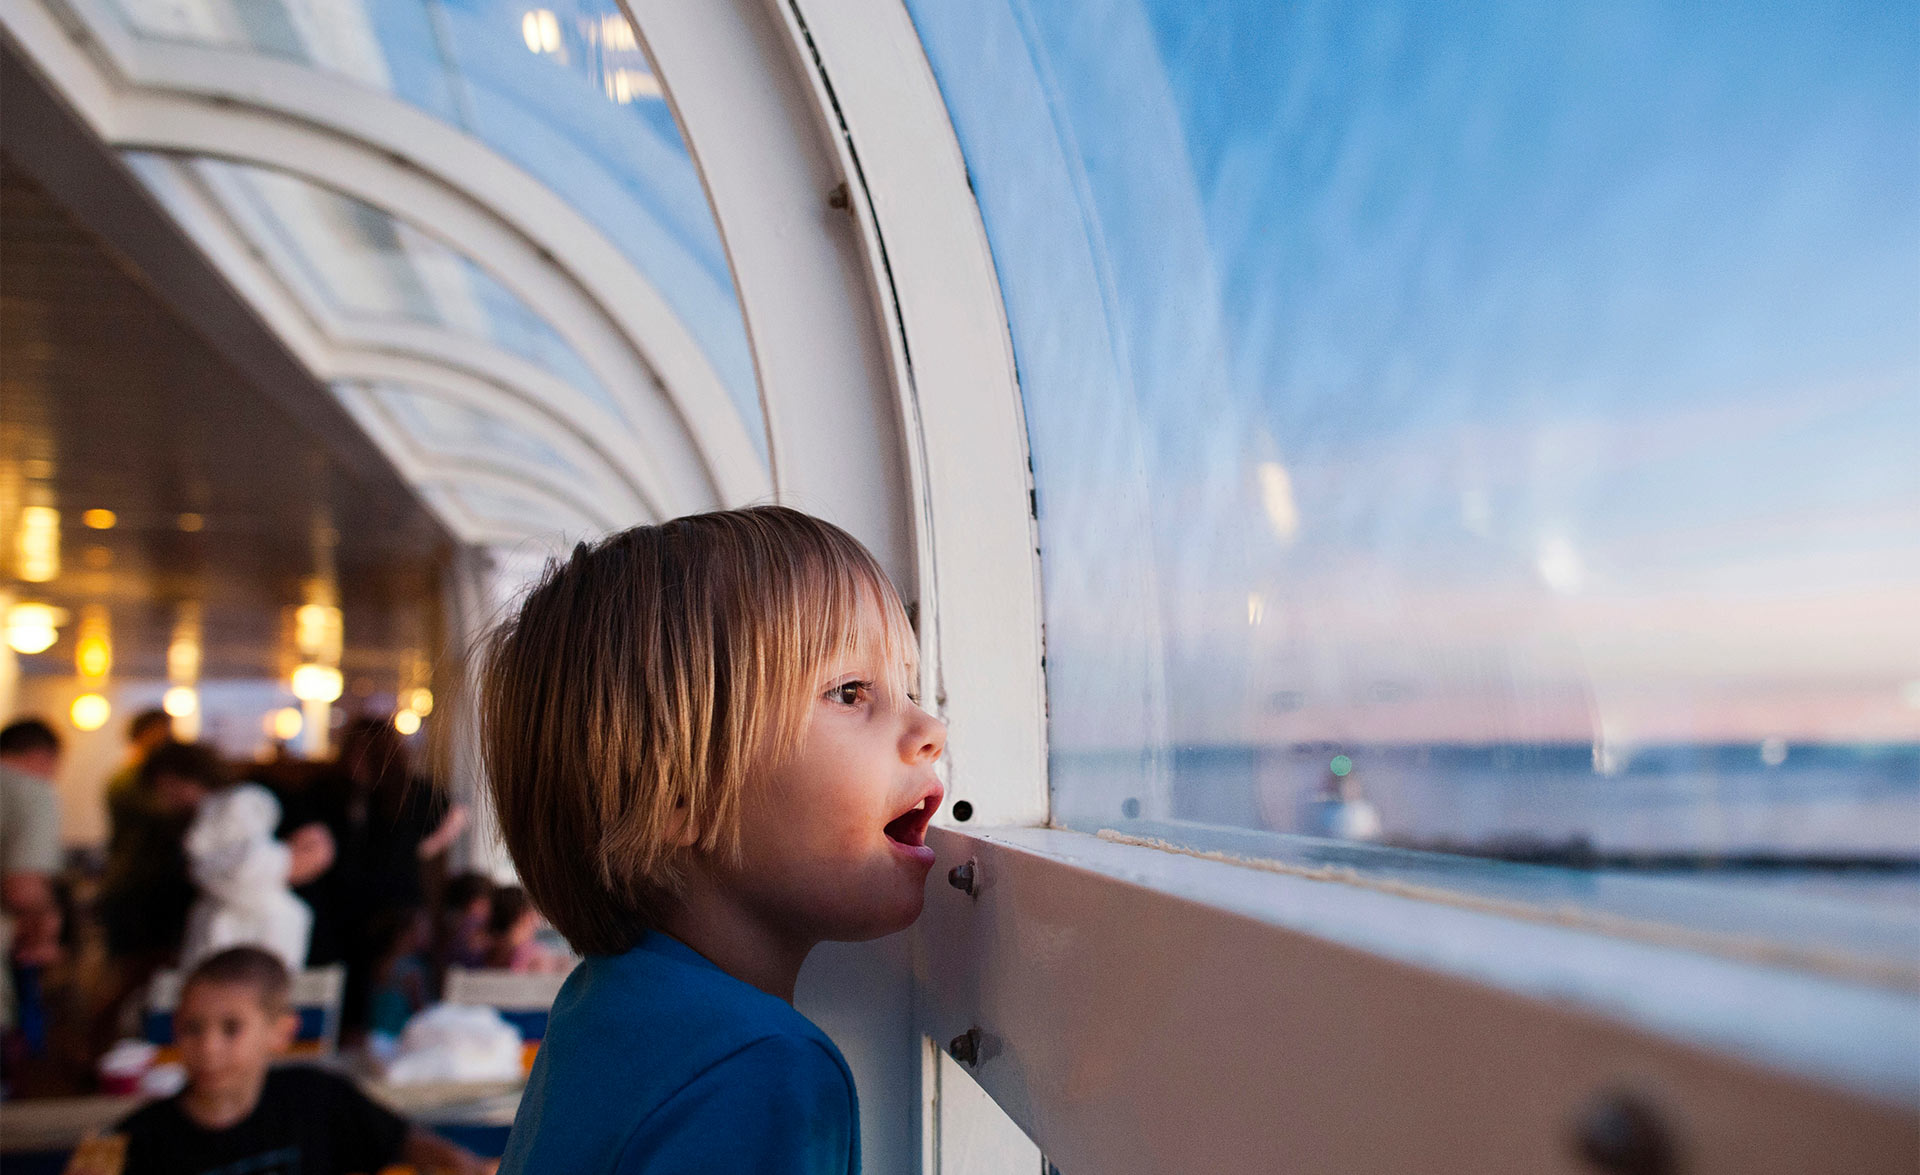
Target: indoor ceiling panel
{"type": "Point", "coordinates": [218, 496]}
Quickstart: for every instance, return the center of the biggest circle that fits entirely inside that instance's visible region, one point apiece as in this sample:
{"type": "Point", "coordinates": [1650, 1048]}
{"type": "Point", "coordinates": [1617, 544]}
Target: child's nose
{"type": "Point", "coordinates": [926, 738]}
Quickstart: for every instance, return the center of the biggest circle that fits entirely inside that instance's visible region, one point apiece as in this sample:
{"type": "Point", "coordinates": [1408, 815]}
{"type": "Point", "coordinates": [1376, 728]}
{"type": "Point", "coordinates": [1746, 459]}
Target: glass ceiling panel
{"type": "Point", "coordinates": [362, 262]}
{"type": "Point", "coordinates": [562, 91]}
{"type": "Point", "coordinates": [447, 428]}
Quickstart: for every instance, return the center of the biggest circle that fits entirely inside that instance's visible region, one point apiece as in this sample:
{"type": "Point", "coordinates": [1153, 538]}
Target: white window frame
{"type": "Point", "coordinates": [1139, 1009]}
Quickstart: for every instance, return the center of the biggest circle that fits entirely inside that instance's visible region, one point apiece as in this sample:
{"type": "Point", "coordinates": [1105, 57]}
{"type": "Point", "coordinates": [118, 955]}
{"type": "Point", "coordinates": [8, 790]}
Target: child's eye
{"type": "Point", "coordinates": [849, 693]}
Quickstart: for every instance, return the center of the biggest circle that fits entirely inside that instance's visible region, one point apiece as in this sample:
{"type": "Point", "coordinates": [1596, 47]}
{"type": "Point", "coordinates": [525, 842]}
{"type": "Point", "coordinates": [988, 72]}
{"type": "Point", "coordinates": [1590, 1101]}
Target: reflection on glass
{"type": "Point", "coordinates": [1487, 427]}
{"type": "Point", "coordinates": [563, 91]}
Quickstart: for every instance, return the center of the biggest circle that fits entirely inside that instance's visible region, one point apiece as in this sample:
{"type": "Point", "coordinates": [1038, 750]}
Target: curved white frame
{"type": "Point", "coordinates": [892, 407]}
{"type": "Point", "coordinates": [195, 100]}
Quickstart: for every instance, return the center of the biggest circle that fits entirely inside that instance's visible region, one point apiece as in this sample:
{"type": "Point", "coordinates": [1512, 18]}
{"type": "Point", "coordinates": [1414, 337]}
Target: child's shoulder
{"type": "Point", "coordinates": [661, 1000]}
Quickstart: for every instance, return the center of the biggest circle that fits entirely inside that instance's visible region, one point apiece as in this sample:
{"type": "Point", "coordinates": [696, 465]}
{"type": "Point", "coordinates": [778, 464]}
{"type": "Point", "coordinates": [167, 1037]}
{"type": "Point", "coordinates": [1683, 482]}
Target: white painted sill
{"type": "Point", "coordinates": [1144, 1009]}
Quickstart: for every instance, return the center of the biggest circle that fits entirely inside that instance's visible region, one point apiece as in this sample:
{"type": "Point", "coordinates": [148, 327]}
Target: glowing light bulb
{"type": "Point", "coordinates": [98, 519]}
{"type": "Point", "coordinates": [180, 701]}
{"type": "Point", "coordinates": [317, 632]}
{"type": "Point", "coordinates": [32, 628]}
{"type": "Point", "coordinates": [37, 546]}
{"type": "Point", "coordinates": [406, 722]}
{"type": "Point", "coordinates": [93, 654]}
{"type": "Point", "coordinates": [420, 701]}
{"type": "Point", "coordinates": [317, 683]}
{"type": "Point", "coordinates": [285, 724]}
{"type": "Point", "coordinates": [90, 712]}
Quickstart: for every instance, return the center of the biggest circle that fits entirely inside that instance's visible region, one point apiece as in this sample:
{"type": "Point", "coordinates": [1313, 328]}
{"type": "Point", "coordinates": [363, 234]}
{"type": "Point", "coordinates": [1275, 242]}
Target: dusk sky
{"type": "Point", "coordinates": [1486, 373]}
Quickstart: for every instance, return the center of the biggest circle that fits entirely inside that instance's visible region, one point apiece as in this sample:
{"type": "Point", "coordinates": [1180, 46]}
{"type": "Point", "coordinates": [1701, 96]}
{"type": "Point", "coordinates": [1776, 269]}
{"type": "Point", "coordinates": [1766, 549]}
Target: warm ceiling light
{"type": "Point", "coordinates": [183, 659]}
{"type": "Point", "coordinates": [32, 628]}
{"type": "Point", "coordinates": [420, 701]}
{"type": "Point", "coordinates": [93, 654]}
{"type": "Point", "coordinates": [37, 546]}
{"type": "Point", "coordinates": [90, 712]}
{"type": "Point", "coordinates": [100, 519]}
{"type": "Point", "coordinates": [190, 522]}
{"type": "Point", "coordinates": [317, 683]}
{"type": "Point", "coordinates": [406, 722]}
{"type": "Point", "coordinates": [180, 701]}
{"type": "Point", "coordinates": [317, 631]}
{"type": "Point", "coordinates": [285, 724]}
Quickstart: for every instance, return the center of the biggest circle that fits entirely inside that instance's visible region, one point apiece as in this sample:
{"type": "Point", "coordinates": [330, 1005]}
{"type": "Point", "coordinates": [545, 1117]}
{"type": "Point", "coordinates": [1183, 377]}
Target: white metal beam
{"type": "Point", "coordinates": [747, 111]}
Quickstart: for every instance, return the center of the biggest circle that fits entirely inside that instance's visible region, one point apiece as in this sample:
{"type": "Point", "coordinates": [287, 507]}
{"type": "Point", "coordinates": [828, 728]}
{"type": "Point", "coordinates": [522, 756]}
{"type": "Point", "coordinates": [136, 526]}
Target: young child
{"type": "Point", "coordinates": [400, 940]}
{"type": "Point", "coordinates": [238, 1115]}
{"type": "Point", "coordinates": [707, 758]}
{"type": "Point", "coordinates": [511, 931]}
{"type": "Point", "coordinates": [460, 930]}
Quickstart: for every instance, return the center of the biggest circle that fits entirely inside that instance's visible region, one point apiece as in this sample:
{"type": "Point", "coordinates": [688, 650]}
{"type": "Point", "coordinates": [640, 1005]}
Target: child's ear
{"type": "Point", "coordinates": [285, 1027]}
{"type": "Point", "coordinates": [681, 833]}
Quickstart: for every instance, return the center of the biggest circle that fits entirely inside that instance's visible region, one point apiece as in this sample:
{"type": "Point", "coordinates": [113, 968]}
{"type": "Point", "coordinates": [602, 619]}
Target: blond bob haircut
{"type": "Point", "coordinates": [647, 680]}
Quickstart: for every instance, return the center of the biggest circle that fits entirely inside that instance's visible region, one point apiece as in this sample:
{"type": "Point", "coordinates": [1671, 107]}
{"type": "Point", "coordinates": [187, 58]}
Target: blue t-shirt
{"type": "Point", "coordinates": [657, 1061]}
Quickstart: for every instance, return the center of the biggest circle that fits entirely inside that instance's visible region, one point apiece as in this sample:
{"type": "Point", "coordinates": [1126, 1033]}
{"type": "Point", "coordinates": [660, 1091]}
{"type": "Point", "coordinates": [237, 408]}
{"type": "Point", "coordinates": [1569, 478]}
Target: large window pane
{"type": "Point", "coordinates": [1488, 427]}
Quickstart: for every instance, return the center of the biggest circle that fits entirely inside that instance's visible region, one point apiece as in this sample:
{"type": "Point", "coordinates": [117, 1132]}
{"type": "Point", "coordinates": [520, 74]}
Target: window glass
{"type": "Point", "coordinates": [562, 91]}
{"type": "Point", "coordinates": [1486, 427]}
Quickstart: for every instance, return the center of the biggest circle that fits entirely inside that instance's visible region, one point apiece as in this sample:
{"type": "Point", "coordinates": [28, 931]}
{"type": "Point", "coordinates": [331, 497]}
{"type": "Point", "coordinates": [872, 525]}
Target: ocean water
{"type": "Point", "coordinates": [1707, 800]}
{"type": "Point", "coordinates": [1817, 847]}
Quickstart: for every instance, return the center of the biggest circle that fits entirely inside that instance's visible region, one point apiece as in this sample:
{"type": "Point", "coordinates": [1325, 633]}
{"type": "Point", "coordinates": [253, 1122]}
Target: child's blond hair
{"type": "Point", "coordinates": [660, 669]}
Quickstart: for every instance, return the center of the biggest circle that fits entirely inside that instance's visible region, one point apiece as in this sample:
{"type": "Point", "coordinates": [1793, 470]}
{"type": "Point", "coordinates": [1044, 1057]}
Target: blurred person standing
{"type": "Point", "coordinates": [146, 733]}
{"type": "Point", "coordinates": [29, 863]}
{"type": "Point", "coordinates": [386, 828]}
{"type": "Point", "coordinates": [147, 891]}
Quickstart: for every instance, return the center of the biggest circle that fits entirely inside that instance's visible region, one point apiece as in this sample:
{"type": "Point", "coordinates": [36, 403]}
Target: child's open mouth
{"type": "Point", "coordinates": [908, 830]}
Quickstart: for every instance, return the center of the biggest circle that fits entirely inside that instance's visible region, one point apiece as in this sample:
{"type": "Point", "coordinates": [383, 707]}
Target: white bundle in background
{"type": "Point", "coordinates": [456, 1042]}
{"type": "Point", "coordinates": [241, 872]}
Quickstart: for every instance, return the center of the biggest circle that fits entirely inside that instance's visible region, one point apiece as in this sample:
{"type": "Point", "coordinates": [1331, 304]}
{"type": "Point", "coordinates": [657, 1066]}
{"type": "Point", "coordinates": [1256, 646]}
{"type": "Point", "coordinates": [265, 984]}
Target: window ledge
{"type": "Point", "coordinates": [1115, 983]}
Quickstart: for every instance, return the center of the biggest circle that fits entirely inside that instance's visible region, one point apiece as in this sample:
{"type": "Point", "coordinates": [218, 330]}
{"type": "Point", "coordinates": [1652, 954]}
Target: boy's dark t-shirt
{"type": "Point", "coordinates": [308, 1122]}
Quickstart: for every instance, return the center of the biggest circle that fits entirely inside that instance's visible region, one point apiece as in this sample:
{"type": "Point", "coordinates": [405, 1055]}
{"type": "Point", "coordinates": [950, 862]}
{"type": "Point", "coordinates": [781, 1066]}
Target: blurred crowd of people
{"type": "Point", "coordinates": [341, 862]}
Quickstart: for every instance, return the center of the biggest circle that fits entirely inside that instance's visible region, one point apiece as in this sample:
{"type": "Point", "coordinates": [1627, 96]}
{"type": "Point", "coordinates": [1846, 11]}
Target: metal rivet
{"type": "Point", "coordinates": [965, 1048]}
{"type": "Point", "coordinates": [840, 197]}
{"type": "Point", "coordinates": [1622, 1134]}
{"type": "Point", "coordinates": [961, 877]}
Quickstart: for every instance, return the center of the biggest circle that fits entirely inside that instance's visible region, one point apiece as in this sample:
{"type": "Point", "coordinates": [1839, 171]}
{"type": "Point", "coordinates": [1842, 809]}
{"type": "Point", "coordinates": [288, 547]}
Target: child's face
{"type": "Point", "coordinates": [226, 1037]}
{"type": "Point", "coordinates": [833, 842]}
